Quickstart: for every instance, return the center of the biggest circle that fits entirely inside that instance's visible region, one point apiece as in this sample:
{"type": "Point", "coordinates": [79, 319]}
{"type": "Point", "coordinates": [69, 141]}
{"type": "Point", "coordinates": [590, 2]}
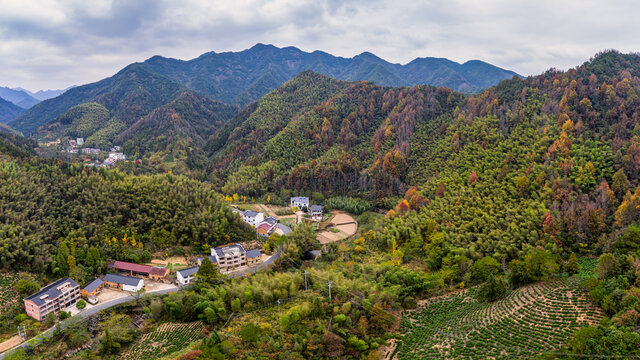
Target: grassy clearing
{"type": "Point", "coordinates": [529, 321]}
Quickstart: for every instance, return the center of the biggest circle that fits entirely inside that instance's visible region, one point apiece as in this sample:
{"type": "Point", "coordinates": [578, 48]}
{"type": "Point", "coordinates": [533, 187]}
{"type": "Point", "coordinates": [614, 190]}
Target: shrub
{"type": "Point", "coordinates": [351, 205]}
{"type": "Point", "coordinates": [81, 304]}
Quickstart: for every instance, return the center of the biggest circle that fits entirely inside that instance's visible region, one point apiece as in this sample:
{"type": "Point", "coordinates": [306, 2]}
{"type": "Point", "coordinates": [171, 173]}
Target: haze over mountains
{"type": "Point", "coordinates": [21, 99]}
{"type": "Point", "coordinates": [243, 77]}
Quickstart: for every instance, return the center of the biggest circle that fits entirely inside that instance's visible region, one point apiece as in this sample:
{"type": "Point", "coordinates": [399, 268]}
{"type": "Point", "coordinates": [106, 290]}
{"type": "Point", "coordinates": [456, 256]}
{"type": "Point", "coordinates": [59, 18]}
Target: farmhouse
{"type": "Point", "coordinates": [185, 276]}
{"type": "Point", "coordinates": [52, 298]}
{"type": "Point", "coordinates": [232, 256]}
{"type": "Point", "coordinates": [152, 272]}
{"type": "Point", "coordinates": [253, 218]}
{"type": "Point", "coordinates": [315, 212]}
{"type": "Point", "coordinates": [267, 227]}
{"type": "Point", "coordinates": [126, 283]}
{"type": "Point", "coordinates": [300, 202]}
{"type": "Point", "coordinates": [253, 257]}
{"type": "Point", "coordinates": [93, 288]}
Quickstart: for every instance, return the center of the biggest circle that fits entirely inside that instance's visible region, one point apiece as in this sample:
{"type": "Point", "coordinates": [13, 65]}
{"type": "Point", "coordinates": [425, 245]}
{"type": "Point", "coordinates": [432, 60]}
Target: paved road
{"type": "Point", "coordinates": [35, 341]}
{"type": "Point", "coordinates": [255, 269]}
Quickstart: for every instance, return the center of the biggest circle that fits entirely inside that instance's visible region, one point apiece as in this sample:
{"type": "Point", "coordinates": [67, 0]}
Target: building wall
{"type": "Point", "coordinates": [184, 280]}
{"type": "Point", "coordinates": [133, 288]}
{"type": "Point", "coordinates": [56, 305]}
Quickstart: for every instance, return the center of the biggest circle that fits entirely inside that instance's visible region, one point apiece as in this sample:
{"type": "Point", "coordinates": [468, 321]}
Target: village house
{"type": "Point", "coordinates": [93, 288]}
{"type": "Point", "coordinates": [80, 141]}
{"type": "Point", "coordinates": [52, 298]}
{"type": "Point", "coordinates": [185, 276]}
{"type": "Point", "coordinates": [232, 256]}
{"type": "Point", "coordinates": [315, 212]}
{"type": "Point", "coordinates": [267, 227]}
{"type": "Point", "coordinates": [116, 156]}
{"type": "Point", "coordinates": [152, 272]}
{"type": "Point", "coordinates": [126, 283]}
{"type": "Point", "coordinates": [254, 257]}
{"type": "Point", "coordinates": [253, 218]}
{"type": "Point", "coordinates": [300, 202]}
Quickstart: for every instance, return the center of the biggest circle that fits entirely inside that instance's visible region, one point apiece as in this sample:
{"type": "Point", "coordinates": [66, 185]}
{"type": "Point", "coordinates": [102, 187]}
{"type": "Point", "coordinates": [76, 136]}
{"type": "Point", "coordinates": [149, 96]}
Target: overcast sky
{"type": "Point", "coordinates": [48, 44]}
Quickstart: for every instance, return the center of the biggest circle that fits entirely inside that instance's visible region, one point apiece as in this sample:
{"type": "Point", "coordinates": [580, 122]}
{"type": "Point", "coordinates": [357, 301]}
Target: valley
{"type": "Point", "coordinates": [502, 224]}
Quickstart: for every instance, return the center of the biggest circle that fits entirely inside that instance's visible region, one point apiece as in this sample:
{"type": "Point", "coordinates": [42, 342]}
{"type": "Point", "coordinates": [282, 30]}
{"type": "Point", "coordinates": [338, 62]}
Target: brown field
{"type": "Point", "coordinates": [349, 228]}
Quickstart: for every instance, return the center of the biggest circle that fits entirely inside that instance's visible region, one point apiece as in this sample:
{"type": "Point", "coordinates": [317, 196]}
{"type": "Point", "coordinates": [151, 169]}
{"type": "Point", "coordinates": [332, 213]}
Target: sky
{"type": "Point", "coordinates": [49, 44]}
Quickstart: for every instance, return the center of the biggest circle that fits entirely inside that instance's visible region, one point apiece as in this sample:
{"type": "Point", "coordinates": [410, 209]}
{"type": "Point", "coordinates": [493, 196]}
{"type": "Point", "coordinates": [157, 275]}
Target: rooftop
{"type": "Point", "coordinates": [251, 213]}
{"type": "Point", "coordinates": [270, 220]}
{"type": "Point", "coordinates": [121, 279]}
{"type": "Point", "coordinates": [93, 285]}
{"type": "Point", "coordinates": [265, 226]}
{"type": "Point", "coordinates": [229, 250]}
{"type": "Point", "coordinates": [300, 199]}
{"type": "Point", "coordinates": [52, 291]}
{"type": "Point", "coordinates": [253, 253]}
{"type": "Point", "coordinates": [188, 272]}
{"type": "Point", "coordinates": [285, 229]}
{"type": "Point", "coordinates": [315, 208]}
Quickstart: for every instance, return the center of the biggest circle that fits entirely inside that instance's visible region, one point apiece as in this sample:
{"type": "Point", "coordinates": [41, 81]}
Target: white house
{"type": "Point", "coordinates": [80, 141]}
{"type": "Point", "coordinates": [185, 276]}
{"type": "Point", "coordinates": [253, 218]}
{"type": "Point", "coordinates": [300, 202]}
{"type": "Point", "coordinates": [126, 283]}
{"type": "Point", "coordinates": [117, 156]}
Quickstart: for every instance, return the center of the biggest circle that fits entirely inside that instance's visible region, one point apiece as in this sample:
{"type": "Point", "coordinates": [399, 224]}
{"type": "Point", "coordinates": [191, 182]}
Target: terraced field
{"type": "Point", "coordinates": [8, 296]}
{"type": "Point", "coordinates": [529, 321]}
{"type": "Point", "coordinates": [166, 339]}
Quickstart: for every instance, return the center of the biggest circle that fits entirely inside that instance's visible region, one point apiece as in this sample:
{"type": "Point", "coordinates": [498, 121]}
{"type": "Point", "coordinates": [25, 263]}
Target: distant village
{"type": "Point", "coordinates": [115, 155]}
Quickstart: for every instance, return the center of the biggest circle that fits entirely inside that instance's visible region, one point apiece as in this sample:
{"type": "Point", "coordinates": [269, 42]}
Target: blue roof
{"type": "Point", "coordinates": [188, 272]}
{"type": "Point", "coordinates": [316, 208]}
{"type": "Point", "coordinates": [93, 285]}
{"type": "Point", "coordinates": [300, 199]}
{"type": "Point", "coordinates": [51, 291]}
{"type": "Point", "coordinates": [121, 279]}
{"type": "Point", "coordinates": [270, 220]}
{"type": "Point", "coordinates": [253, 253]}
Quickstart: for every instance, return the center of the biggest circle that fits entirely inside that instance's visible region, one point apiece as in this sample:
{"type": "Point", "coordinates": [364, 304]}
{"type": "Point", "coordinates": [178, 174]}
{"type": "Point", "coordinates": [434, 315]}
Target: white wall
{"type": "Point", "coordinates": [133, 288]}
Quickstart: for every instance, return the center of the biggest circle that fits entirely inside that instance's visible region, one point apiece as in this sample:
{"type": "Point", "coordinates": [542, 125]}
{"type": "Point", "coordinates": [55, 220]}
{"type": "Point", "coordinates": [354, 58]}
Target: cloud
{"type": "Point", "coordinates": [54, 44]}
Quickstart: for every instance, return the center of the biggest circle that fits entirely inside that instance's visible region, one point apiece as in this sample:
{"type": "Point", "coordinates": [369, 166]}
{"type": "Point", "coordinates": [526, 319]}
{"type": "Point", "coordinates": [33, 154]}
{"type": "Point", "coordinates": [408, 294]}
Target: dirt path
{"type": "Point", "coordinates": [344, 223]}
{"type": "Point", "coordinates": [10, 343]}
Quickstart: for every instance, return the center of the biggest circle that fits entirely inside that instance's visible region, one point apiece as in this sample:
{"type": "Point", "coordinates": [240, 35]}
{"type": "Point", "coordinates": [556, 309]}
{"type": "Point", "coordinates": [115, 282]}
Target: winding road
{"type": "Point", "coordinates": [35, 341]}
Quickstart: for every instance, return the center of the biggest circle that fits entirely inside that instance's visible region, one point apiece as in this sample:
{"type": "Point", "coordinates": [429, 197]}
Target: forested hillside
{"type": "Point", "coordinates": [318, 134]}
{"type": "Point", "coordinates": [44, 202]}
{"type": "Point", "coordinates": [9, 111]}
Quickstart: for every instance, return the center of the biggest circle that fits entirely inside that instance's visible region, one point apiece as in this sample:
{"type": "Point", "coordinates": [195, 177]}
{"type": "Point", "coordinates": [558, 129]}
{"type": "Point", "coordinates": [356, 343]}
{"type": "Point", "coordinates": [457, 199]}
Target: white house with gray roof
{"type": "Point", "coordinates": [300, 202]}
{"type": "Point", "coordinates": [126, 283]}
{"type": "Point", "coordinates": [185, 276]}
{"type": "Point", "coordinates": [253, 218]}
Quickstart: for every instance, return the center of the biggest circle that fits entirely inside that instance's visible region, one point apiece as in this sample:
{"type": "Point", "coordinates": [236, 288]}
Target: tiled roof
{"type": "Point", "coordinates": [300, 199]}
{"type": "Point", "coordinates": [93, 285]}
{"type": "Point", "coordinates": [188, 272]}
{"type": "Point", "coordinates": [315, 208]}
{"type": "Point", "coordinates": [50, 291]}
{"type": "Point", "coordinates": [253, 253]}
{"type": "Point", "coordinates": [265, 226]}
{"type": "Point", "coordinates": [156, 270]}
{"type": "Point", "coordinates": [285, 229]}
{"type": "Point", "coordinates": [121, 265]}
{"type": "Point", "coordinates": [271, 220]}
{"type": "Point", "coordinates": [121, 279]}
{"type": "Point", "coordinates": [251, 213]}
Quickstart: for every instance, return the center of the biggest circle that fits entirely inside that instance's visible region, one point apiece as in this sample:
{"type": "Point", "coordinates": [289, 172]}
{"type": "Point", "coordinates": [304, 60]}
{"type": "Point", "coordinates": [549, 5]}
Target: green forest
{"type": "Point", "coordinates": [534, 181]}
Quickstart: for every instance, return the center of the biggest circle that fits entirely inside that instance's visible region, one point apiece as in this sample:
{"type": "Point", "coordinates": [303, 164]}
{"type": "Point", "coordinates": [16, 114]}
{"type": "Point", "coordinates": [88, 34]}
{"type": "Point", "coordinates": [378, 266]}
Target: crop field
{"type": "Point", "coordinates": [166, 339]}
{"type": "Point", "coordinates": [530, 320]}
{"type": "Point", "coordinates": [8, 296]}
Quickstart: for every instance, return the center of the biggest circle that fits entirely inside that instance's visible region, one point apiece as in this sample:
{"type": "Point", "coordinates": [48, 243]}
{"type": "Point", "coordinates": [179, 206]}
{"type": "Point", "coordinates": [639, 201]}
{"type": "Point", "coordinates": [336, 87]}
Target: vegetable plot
{"type": "Point", "coordinates": [531, 320]}
{"type": "Point", "coordinates": [166, 339]}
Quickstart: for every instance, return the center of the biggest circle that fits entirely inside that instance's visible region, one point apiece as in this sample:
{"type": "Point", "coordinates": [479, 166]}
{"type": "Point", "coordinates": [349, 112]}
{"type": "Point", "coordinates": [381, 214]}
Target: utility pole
{"type": "Point", "coordinates": [329, 285]}
{"type": "Point", "coordinates": [305, 280]}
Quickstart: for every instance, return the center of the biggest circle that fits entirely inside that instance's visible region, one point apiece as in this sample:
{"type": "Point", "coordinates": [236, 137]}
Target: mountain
{"type": "Point", "coordinates": [18, 97]}
{"type": "Point", "coordinates": [128, 96]}
{"type": "Point", "coordinates": [9, 111]}
{"type": "Point", "coordinates": [242, 77]}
